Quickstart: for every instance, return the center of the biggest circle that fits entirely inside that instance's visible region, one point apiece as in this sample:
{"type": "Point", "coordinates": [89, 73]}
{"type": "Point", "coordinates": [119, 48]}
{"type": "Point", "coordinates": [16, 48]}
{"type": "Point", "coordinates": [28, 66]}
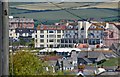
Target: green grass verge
{"type": "Point", "coordinates": [110, 62]}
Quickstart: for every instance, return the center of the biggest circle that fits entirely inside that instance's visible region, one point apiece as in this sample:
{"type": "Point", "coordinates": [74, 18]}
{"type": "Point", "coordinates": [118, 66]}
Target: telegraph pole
{"type": "Point", "coordinates": [4, 38]}
{"type": "Point", "coordinates": [0, 39]}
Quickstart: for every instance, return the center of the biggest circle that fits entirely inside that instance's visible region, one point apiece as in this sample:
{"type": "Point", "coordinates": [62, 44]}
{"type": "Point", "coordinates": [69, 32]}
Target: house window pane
{"type": "Point", "coordinates": [42, 31]}
{"type": "Point", "coordinates": [58, 36]}
{"type": "Point", "coordinates": [51, 36]}
{"type": "Point", "coordinates": [62, 41]}
{"type": "Point", "coordinates": [51, 31]}
{"type": "Point", "coordinates": [51, 40]}
{"type": "Point", "coordinates": [58, 40]}
{"type": "Point", "coordinates": [41, 45]}
{"type": "Point", "coordinates": [41, 40]}
{"type": "Point", "coordinates": [41, 36]}
{"type": "Point", "coordinates": [111, 35]}
{"type": "Point", "coordinates": [59, 31]}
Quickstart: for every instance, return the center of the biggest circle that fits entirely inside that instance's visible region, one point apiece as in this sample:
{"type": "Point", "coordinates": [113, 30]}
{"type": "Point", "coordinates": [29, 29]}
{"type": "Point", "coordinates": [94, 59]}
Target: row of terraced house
{"type": "Point", "coordinates": [67, 34]}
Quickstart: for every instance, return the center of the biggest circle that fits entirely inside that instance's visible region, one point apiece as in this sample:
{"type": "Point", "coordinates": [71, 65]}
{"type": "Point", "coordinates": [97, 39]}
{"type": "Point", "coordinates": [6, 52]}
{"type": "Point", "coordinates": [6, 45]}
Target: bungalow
{"type": "Point", "coordinates": [89, 57]}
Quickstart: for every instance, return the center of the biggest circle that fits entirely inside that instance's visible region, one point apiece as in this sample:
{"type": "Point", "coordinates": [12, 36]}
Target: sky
{"type": "Point", "coordinates": [62, 0]}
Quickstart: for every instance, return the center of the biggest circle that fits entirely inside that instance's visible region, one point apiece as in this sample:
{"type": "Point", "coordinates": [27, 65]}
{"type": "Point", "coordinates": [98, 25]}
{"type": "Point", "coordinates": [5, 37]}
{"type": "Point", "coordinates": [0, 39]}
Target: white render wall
{"type": "Point", "coordinates": [46, 39]}
{"type": "Point", "coordinates": [12, 33]}
{"type": "Point", "coordinates": [84, 32]}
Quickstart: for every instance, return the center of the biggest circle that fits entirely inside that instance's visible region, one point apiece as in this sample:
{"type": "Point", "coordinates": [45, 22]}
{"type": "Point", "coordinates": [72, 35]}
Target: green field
{"type": "Point", "coordinates": [106, 14]}
{"type": "Point", "coordinates": [111, 62]}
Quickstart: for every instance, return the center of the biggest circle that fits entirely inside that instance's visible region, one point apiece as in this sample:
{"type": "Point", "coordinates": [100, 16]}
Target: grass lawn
{"type": "Point", "coordinates": [110, 62]}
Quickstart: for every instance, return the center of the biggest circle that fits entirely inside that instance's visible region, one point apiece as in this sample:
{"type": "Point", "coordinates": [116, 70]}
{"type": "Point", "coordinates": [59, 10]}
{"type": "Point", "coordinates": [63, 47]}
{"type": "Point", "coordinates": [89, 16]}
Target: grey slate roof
{"type": "Point", "coordinates": [24, 30]}
{"type": "Point", "coordinates": [116, 48]}
{"type": "Point", "coordinates": [21, 20]}
{"type": "Point", "coordinates": [87, 60]}
{"type": "Point", "coordinates": [101, 57]}
{"type": "Point", "coordinates": [89, 54]}
{"type": "Point", "coordinates": [95, 54]}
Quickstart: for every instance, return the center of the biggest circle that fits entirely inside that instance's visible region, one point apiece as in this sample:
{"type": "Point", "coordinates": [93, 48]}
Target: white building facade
{"type": "Point", "coordinates": [61, 35]}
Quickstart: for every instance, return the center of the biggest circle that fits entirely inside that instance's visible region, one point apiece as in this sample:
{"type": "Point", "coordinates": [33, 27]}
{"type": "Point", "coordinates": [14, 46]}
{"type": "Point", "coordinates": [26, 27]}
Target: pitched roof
{"type": "Point", "coordinates": [116, 48]}
{"type": "Point", "coordinates": [24, 30]}
{"type": "Point", "coordinates": [95, 54]}
{"type": "Point", "coordinates": [21, 20]}
{"type": "Point", "coordinates": [118, 26]}
{"type": "Point", "coordinates": [87, 60]}
{"type": "Point", "coordinates": [101, 57]}
{"type": "Point", "coordinates": [89, 54]}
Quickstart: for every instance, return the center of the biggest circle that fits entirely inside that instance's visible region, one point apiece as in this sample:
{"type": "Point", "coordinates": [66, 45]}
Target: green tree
{"type": "Point", "coordinates": [25, 63]}
{"type": "Point", "coordinates": [22, 41]}
{"type": "Point", "coordinates": [31, 43]}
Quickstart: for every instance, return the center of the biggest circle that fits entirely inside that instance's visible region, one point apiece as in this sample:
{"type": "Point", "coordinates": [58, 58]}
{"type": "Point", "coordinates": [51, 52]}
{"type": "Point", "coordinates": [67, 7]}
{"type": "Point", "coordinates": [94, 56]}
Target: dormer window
{"type": "Point", "coordinates": [20, 30]}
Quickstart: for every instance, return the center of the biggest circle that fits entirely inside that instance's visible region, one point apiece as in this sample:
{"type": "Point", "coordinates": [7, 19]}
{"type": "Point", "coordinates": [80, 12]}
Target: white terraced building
{"type": "Point", "coordinates": [61, 35]}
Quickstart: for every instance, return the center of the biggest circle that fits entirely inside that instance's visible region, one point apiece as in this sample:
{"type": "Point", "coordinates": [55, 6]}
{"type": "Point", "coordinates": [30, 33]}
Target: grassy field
{"type": "Point", "coordinates": [48, 16]}
{"type": "Point", "coordinates": [61, 14]}
{"type": "Point", "coordinates": [111, 62]}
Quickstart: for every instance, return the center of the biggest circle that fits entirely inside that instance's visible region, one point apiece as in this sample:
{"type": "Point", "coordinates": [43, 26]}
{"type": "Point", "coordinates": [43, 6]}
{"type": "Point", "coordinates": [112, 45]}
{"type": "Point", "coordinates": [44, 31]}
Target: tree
{"type": "Point", "coordinates": [25, 63]}
{"type": "Point", "coordinates": [22, 41]}
{"type": "Point", "coordinates": [31, 43]}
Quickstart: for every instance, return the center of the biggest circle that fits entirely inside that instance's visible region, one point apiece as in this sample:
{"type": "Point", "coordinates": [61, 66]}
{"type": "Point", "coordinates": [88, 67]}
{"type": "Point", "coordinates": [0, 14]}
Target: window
{"type": "Point", "coordinates": [11, 29]}
{"type": "Point", "coordinates": [51, 31]}
{"type": "Point", "coordinates": [51, 36]}
{"type": "Point", "coordinates": [20, 30]}
{"type": "Point", "coordinates": [70, 41]}
{"type": "Point", "coordinates": [58, 31]}
{"type": "Point", "coordinates": [58, 36]}
{"type": "Point", "coordinates": [51, 40]}
{"type": "Point", "coordinates": [35, 36]}
{"type": "Point", "coordinates": [66, 41]}
{"type": "Point", "coordinates": [41, 36]}
{"type": "Point", "coordinates": [41, 40]}
{"type": "Point", "coordinates": [111, 35]}
{"type": "Point", "coordinates": [105, 33]}
{"type": "Point", "coordinates": [85, 40]}
{"type": "Point", "coordinates": [58, 40]}
{"type": "Point", "coordinates": [82, 28]}
{"type": "Point", "coordinates": [62, 40]}
{"type": "Point", "coordinates": [74, 41]}
{"type": "Point", "coordinates": [81, 36]}
{"type": "Point", "coordinates": [42, 31]}
{"type": "Point", "coordinates": [97, 36]}
{"type": "Point", "coordinates": [31, 30]}
{"type": "Point", "coordinates": [97, 41]}
{"type": "Point", "coordinates": [51, 46]}
{"type": "Point", "coordinates": [41, 45]}
{"type": "Point", "coordinates": [10, 34]}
